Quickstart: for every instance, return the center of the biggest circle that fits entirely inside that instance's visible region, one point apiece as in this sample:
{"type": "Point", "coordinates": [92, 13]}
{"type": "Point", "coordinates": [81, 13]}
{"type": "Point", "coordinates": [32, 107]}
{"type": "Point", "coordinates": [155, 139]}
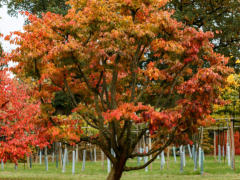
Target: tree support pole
{"type": "Point", "coordinates": [215, 146]}
{"type": "Point", "coordinates": [102, 155]}
{"type": "Point", "coordinates": [233, 145]}
{"type": "Point", "coordinates": [150, 147]}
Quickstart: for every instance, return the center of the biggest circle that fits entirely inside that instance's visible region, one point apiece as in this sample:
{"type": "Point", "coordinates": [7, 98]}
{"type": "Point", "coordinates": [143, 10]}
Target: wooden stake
{"type": "Point", "coordinates": [150, 147]}
{"type": "Point", "coordinates": [168, 158]}
{"type": "Point", "coordinates": [37, 155]}
{"type": "Point", "coordinates": [60, 153]}
{"type": "Point", "coordinates": [202, 139]}
{"type": "Point", "coordinates": [137, 136]}
{"type": "Point", "coordinates": [233, 145]}
{"type": "Point", "coordinates": [224, 144]}
{"type": "Point", "coordinates": [199, 139]}
{"type": "Point", "coordinates": [229, 141]}
{"type": "Point", "coordinates": [215, 146]}
{"type": "Point", "coordinates": [102, 160]}
{"type": "Point", "coordinates": [144, 144]}
{"type": "Point", "coordinates": [228, 136]}
{"type": "Point", "coordinates": [76, 152]}
{"type": "Point", "coordinates": [27, 162]}
{"type": "Point", "coordinates": [57, 152]}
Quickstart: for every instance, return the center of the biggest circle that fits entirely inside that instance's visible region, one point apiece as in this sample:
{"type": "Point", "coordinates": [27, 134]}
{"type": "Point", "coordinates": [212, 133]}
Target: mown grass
{"type": "Point", "coordinates": [212, 171]}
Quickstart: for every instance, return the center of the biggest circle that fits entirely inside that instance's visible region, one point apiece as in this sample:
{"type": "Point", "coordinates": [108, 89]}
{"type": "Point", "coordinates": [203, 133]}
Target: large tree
{"type": "Point", "coordinates": [18, 132]}
{"type": "Point", "coordinates": [230, 93]}
{"type": "Point", "coordinates": [95, 54]}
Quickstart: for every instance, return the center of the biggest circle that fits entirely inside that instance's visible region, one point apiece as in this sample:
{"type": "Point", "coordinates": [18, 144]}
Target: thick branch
{"type": "Point", "coordinates": [85, 43]}
{"type": "Point", "coordinates": [70, 92]}
{"type": "Point", "coordinates": [54, 123]}
{"type": "Point", "coordinates": [121, 137]}
{"type": "Point", "coordinates": [113, 138]}
{"type": "Point", "coordinates": [68, 97]}
{"type": "Point", "coordinates": [106, 92]}
{"type": "Point", "coordinates": [89, 123]}
{"type": "Point", "coordinates": [90, 140]}
{"type": "Point", "coordinates": [113, 86]}
{"type": "Point", "coordinates": [101, 131]}
{"type": "Point", "coordinates": [160, 96]}
{"type": "Point", "coordinates": [174, 83]}
{"type": "Point", "coordinates": [158, 151]}
{"type": "Point", "coordinates": [101, 75]}
{"type": "Point", "coordinates": [4, 104]}
{"type": "Point", "coordinates": [133, 71]}
{"type": "Point", "coordinates": [143, 131]}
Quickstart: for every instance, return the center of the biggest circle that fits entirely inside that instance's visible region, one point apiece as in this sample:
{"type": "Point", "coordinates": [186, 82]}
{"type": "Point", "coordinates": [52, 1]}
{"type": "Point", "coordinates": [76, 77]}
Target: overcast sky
{"type": "Point", "coordinates": [9, 24]}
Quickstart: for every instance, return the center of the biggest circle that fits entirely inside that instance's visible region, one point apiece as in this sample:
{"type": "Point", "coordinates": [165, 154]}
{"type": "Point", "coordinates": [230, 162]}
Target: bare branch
{"type": "Point", "coordinates": [4, 104]}
{"type": "Point", "coordinates": [89, 123]}
{"type": "Point", "coordinates": [54, 123]}
{"type": "Point", "coordinates": [143, 131]}
{"type": "Point", "coordinates": [85, 43]}
{"type": "Point", "coordinates": [68, 97]}
{"type": "Point", "coordinates": [70, 92]}
{"type": "Point", "coordinates": [101, 75]}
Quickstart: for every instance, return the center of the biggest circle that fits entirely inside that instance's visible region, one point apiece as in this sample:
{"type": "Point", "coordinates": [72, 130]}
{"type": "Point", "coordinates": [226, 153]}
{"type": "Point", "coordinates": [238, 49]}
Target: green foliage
{"type": "Point", "coordinates": [221, 17]}
{"type": "Point", "coordinates": [212, 170]}
{"type": "Point", "coordinates": [231, 94]}
{"type": "Point", "coordinates": [36, 6]}
{"type": "Point", "coordinates": [61, 103]}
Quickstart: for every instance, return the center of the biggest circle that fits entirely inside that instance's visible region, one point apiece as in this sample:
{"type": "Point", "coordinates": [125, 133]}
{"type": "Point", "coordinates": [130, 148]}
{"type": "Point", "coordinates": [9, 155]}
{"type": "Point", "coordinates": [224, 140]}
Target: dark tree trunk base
{"type": "Point", "coordinates": [111, 174]}
{"type": "Point", "coordinates": [117, 169]}
{"type": "Point", "coordinates": [115, 174]}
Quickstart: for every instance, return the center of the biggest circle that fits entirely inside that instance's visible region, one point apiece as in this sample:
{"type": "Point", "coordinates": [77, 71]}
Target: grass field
{"type": "Point", "coordinates": [212, 171]}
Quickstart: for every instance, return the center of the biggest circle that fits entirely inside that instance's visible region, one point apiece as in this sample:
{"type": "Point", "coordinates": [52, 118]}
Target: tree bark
{"type": "Point", "coordinates": [117, 170]}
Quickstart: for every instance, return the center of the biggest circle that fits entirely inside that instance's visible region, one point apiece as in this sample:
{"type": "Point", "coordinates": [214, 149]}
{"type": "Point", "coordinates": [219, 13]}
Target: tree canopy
{"type": "Point", "coordinates": [17, 114]}
{"type": "Point", "coordinates": [218, 16]}
{"type": "Point", "coordinates": [230, 93]}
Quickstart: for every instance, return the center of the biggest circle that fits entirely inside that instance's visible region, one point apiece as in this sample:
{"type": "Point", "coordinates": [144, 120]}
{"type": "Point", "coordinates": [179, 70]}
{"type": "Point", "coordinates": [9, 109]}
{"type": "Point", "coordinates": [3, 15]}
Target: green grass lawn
{"type": "Point", "coordinates": [94, 171]}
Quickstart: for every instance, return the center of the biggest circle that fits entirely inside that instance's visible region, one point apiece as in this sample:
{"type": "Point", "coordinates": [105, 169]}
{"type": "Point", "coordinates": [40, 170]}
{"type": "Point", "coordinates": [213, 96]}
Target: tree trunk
{"type": "Point", "coordinates": [36, 157]}
{"type": "Point", "coordinates": [117, 170]}
{"type": "Point", "coordinates": [114, 174]}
